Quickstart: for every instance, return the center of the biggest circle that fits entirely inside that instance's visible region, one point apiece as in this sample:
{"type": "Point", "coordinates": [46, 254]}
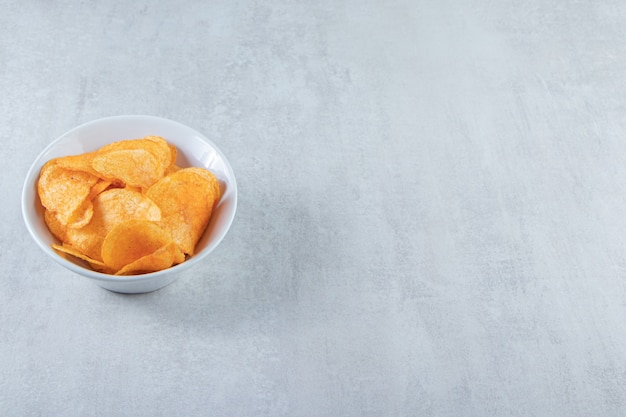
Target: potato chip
{"type": "Point", "coordinates": [119, 204]}
{"type": "Point", "coordinates": [215, 185]}
{"type": "Point", "coordinates": [111, 208]}
{"type": "Point", "coordinates": [186, 200]}
{"type": "Point", "coordinates": [64, 192]}
{"type": "Point", "coordinates": [137, 162]}
{"type": "Point", "coordinates": [81, 162]}
{"type": "Point", "coordinates": [70, 250]}
{"type": "Point", "coordinates": [131, 240]}
{"type": "Point", "coordinates": [162, 258]}
{"type": "Point", "coordinates": [135, 167]}
{"type": "Point", "coordinates": [156, 145]}
{"type": "Point", "coordinates": [98, 266]}
{"type": "Point", "coordinates": [165, 153]}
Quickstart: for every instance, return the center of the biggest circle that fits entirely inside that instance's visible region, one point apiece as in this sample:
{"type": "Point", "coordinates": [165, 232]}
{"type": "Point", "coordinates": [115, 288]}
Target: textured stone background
{"type": "Point", "coordinates": [431, 218]}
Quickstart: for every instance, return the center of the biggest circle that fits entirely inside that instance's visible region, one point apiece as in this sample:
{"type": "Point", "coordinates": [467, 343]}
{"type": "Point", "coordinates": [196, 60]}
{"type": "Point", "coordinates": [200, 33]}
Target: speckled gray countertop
{"type": "Point", "coordinates": [431, 221]}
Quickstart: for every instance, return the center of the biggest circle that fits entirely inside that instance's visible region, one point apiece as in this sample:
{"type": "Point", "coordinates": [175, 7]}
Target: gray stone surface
{"type": "Point", "coordinates": [431, 218]}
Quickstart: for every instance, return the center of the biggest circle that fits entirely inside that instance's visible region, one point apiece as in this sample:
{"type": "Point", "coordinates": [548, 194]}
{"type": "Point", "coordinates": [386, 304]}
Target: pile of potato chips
{"type": "Point", "coordinates": [127, 208]}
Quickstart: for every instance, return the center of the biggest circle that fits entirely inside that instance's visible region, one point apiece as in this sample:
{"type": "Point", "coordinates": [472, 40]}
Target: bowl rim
{"type": "Point", "coordinates": [29, 181]}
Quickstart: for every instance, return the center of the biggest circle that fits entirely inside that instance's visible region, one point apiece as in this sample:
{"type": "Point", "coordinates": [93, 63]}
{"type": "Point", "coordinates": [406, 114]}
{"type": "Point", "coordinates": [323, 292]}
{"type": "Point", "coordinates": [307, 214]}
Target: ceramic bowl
{"type": "Point", "coordinates": [194, 149]}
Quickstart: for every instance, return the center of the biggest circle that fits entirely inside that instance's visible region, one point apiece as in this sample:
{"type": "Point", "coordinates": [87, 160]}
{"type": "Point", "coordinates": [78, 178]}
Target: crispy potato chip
{"type": "Point", "coordinates": [111, 207]}
{"type": "Point", "coordinates": [131, 240]}
{"type": "Point", "coordinates": [83, 162]}
{"type": "Point", "coordinates": [93, 263]}
{"type": "Point", "coordinates": [217, 193]}
{"type": "Point", "coordinates": [156, 145]}
{"type": "Point", "coordinates": [165, 153]}
{"type": "Point", "coordinates": [64, 192]}
{"type": "Point", "coordinates": [80, 162]}
{"type": "Point", "coordinates": [162, 258]}
{"type": "Point", "coordinates": [119, 204]}
{"type": "Point", "coordinates": [135, 167]}
{"type": "Point", "coordinates": [99, 268]}
{"type": "Point", "coordinates": [186, 201]}
{"type": "Point", "coordinates": [137, 162]}
{"type": "Point", "coordinates": [70, 250]}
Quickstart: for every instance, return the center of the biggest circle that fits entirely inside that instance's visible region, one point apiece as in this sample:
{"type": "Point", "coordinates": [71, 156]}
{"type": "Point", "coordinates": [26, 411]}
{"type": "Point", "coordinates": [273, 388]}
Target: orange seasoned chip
{"type": "Point", "coordinates": [186, 201]}
{"type": "Point", "coordinates": [135, 167]}
{"type": "Point", "coordinates": [162, 258]}
{"type": "Point", "coordinates": [80, 162]}
{"type": "Point", "coordinates": [215, 185]}
{"type": "Point", "coordinates": [131, 240]}
{"type": "Point", "coordinates": [119, 204]}
{"type": "Point", "coordinates": [84, 162]}
{"type": "Point", "coordinates": [156, 145]}
{"type": "Point", "coordinates": [70, 250]}
{"type": "Point", "coordinates": [93, 263]}
{"type": "Point", "coordinates": [97, 266]}
{"type": "Point", "coordinates": [137, 162]}
{"type": "Point", "coordinates": [165, 153]}
{"type": "Point", "coordinates": [111, 207]}
{"type": "Point", "coordinates": [64, 191]}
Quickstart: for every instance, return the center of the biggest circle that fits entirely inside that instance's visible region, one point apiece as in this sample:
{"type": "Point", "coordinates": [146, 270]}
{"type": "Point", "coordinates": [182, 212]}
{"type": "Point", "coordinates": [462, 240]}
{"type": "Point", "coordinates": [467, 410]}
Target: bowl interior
{"type": "Point", "coordinates": [194, 149]}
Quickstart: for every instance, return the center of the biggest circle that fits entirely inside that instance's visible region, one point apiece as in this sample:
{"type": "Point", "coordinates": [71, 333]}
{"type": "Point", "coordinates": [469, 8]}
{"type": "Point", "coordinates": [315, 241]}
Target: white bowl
{"type": "Point", "coordinates": [194, 149]}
